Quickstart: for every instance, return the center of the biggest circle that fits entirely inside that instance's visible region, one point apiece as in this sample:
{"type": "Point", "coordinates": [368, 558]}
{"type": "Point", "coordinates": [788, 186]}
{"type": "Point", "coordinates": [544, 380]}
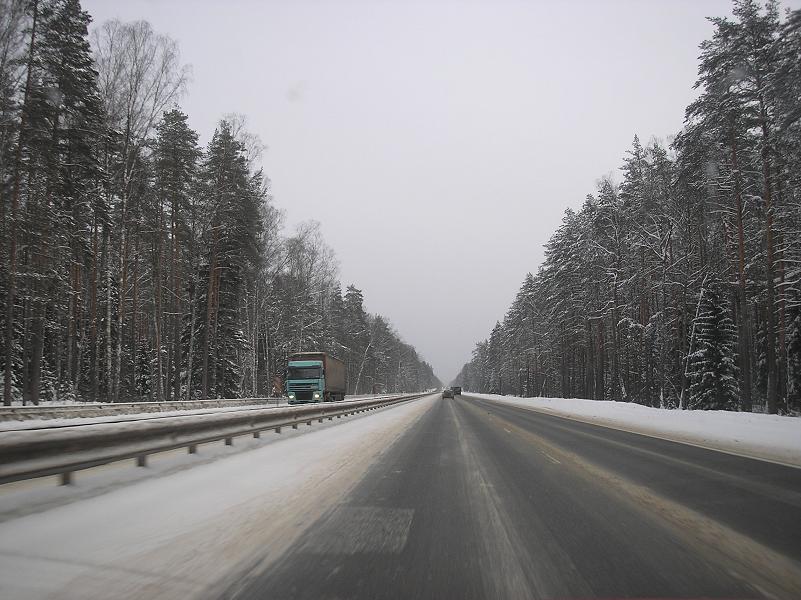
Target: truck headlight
{"type": "Point", "coordinates": [316, 396]}
{"type": "Point", "coordinates": [291, 394]}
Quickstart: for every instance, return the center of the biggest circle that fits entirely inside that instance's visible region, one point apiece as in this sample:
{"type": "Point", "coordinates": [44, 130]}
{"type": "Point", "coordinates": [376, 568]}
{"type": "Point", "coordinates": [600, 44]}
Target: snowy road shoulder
{"type": "Point", "coordinates": [768, 437]}
{"type": "Point", "coordinates": [183, 534]}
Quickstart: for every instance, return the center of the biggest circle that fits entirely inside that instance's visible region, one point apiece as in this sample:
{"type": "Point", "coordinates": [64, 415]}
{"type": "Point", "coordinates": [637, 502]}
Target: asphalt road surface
{"type": "Point", "coordinates": [485, 500]}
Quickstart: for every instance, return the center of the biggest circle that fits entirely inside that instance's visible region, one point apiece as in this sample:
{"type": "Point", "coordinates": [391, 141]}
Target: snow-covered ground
{"type": "Point", "coordinates": [763, 436]}
{"type": "Point", "coordinates": [192, 533]}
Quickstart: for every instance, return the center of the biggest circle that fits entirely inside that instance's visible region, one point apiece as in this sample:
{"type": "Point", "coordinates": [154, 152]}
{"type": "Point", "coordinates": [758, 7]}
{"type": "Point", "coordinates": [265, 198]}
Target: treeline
{"type": "Point", "coordinates": [136, 265]}
{"type": "Point", "coordinates": [681, 286]}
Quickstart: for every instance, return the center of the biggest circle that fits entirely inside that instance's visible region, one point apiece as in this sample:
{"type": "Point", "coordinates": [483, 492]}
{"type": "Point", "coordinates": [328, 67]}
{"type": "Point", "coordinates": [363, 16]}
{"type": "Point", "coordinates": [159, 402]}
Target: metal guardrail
{"type": "Point", "coordinates": [34, 454]}
{"type": "Point", "coordinates": [102, 409]}
{"type": "Point", "coordinates": [110, 409]}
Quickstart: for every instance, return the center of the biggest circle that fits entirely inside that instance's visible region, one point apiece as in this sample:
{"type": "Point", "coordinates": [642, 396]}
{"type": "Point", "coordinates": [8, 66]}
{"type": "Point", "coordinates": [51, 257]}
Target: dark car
{"type": "Point", "coordinates": [456, 390]}
{"type": "Point", "coordinates": [447, 393]}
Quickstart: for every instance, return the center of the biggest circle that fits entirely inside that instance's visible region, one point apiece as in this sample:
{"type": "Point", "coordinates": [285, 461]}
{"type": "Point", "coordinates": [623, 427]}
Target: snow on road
{"type": "Point", "coordinates": [771, 437]}
{"type": "Point", "coordinates": [195, 532]}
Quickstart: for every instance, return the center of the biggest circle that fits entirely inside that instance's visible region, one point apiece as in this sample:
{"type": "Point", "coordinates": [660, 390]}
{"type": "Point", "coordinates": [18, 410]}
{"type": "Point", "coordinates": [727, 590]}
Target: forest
{"type": "Point", "coordinates": [136, 265]}
{"type": "Point", "coordinates": [679, 286]}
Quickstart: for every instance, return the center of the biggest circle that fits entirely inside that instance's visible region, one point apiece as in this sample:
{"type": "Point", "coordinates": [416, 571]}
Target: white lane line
{"type": "Point", "coordinates": [552, 459]}
{"type": "Point", "coordinates": [506, 430]}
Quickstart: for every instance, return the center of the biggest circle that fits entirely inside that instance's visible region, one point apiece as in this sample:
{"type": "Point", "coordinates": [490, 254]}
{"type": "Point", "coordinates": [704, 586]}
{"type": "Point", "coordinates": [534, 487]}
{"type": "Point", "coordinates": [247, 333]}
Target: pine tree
{"type": "Point", "coordinates": [232, 203]}
{"type": "Point", "coordinates": [13, 366]}
{"type": "Point", "coordinates": [61, 136]}
{"type": "Point", "coordinates": [175, 157]}
{"type": "Point", "coordinates": [357, 335]}
{"type": "Point", "coordinates": [713, 366]}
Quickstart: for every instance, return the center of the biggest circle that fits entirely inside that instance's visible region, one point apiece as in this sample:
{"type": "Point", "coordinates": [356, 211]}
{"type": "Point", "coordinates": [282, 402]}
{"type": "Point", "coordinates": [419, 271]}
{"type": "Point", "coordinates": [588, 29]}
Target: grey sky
{"type": "Point", "coordinates": [438, 143]}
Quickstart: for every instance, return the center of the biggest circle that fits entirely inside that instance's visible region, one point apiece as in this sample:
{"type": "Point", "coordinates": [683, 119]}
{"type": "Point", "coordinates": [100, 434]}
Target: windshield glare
{"type": "Point", "coordinates": [304, 373]}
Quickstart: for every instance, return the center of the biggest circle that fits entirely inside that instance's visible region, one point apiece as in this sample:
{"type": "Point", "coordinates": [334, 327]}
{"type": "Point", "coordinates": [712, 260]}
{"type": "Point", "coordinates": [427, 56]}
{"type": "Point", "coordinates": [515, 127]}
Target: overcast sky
{"type": "Point", "coordinates": [438, 143]}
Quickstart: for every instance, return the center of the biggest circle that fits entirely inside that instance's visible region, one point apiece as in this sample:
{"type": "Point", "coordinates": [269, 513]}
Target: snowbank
{"type": "Point", "coordinates": [769, 437]}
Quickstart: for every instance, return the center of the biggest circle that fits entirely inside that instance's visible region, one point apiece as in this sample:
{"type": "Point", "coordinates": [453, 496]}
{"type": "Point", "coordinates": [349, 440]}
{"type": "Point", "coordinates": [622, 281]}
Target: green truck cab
{"type": "Point", "coordinates": [315, 377]}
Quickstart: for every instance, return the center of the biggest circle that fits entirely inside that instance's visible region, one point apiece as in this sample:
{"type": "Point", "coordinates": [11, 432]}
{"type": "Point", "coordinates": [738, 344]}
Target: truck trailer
{"type": "Point", "coordinates": [315, 377]}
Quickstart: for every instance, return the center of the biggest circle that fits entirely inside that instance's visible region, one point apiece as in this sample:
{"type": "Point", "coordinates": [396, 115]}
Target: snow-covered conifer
{"type": "Point", "coordinates": [713, 366]}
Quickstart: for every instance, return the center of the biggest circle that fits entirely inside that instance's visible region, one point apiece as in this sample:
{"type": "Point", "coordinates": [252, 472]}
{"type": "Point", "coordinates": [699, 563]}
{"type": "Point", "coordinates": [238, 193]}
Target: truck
{"type": "Point", "coordinates": [315, 377]}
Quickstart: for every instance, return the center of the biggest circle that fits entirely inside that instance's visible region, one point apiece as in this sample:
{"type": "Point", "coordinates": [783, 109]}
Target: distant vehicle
{"type": "Point", "coordinates": [379, 388]}
{"type": "Point", "coordinates": [315, 377]}
{"type": "Point", "coordinates": [447, 393]}
{"type": "Point", "coordinates": [456, 390]}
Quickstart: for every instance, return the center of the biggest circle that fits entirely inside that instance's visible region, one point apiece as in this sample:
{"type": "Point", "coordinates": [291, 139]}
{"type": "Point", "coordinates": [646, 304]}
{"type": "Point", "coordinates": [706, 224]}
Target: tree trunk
{"type": "Point", "coordinates": [361, 366]}
{"type": "Point", "coordinates": [80, 343]}
{"type": "Point", "coordinates": [158, 317]}
{"type": "Point", "coordinates": [114, 377]}
{"type": "Point", "coordinates": [93, 346]}
{"type": "Point", "coordinates": [589, 374]}
{"type": "Point", "coordinates": [615, 387]}
{"type": "Point", "coordinates": [176, 306]}
{"type": "Point", "coordinates": [72, 319]}
{"type": "Point", "coordinates": [743, 351]}
{"type": "Point", "coordinates": [770, 337]}
{"type": "Point", "coordinates": [109, 348]}
{"type": "Point", "coordinates": [191, 349]}
{"type": "Point", "coordinates": [12, 251]}
{"type": "Point", "coordinates": [37, 345]}
{"type": "Point", "coordinates": [124, 241]}
{"type": "Point", "coordinates": [26, 320]}
{"type": "Point", "coordinates": [204, 386]}
{"type": "Point", "coordinates": [600, 357]}
{"type": "Point", "coordinates": [135, 323]}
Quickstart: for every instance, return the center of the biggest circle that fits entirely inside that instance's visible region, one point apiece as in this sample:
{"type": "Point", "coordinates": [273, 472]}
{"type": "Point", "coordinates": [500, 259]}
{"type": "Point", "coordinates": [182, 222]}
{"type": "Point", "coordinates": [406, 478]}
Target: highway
{"type": "Point", "coordinates": [483, 500]}
{"type": "Point", "coordinates": [462, 498]}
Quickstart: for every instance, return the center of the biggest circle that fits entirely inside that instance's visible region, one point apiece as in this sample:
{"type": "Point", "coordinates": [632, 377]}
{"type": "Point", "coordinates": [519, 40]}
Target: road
{"type": "Point", "coordinates": [484, 500]}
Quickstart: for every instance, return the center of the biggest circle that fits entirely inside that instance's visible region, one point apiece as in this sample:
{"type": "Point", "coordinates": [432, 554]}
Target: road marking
{"type": "Point", "coordinates": [552, 459]}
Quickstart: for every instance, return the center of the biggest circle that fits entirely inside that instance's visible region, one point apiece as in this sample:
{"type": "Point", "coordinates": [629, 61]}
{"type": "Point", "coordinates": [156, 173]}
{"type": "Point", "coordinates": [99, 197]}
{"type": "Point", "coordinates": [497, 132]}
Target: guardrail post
{"type": "Point", "coordinates": [192, 449]}
{"type": "Point", "coordinates": [229, 441]}
{"type": "Point", "coordinates": [141, 460]}
{"type": "Point", "coordinates": [277, 430]}
{"type": "Point", "coordinates": [294, 425]}
{"type": "Point", "coordinates": [257, 434]}
{"type": "Point", "coordinates": [65, 478]}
